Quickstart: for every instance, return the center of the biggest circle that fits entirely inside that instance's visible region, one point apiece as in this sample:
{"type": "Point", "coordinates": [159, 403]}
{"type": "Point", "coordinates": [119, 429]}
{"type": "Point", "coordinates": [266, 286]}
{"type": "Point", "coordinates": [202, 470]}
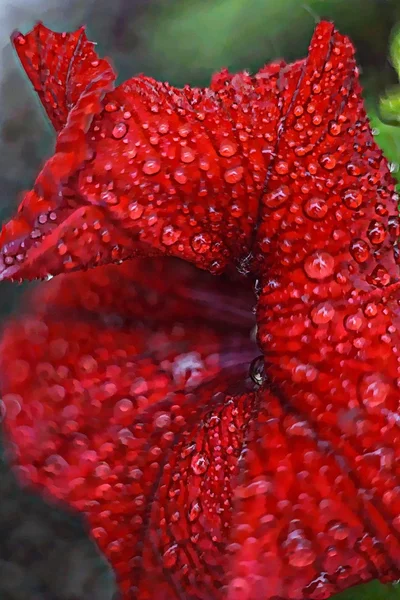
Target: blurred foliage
{"type": "Point", "coordinates": [390, 102]}
{"type": "Point", "coordinates": [201, 36]}
{"type": "Point", "coordinates": [370, 591]}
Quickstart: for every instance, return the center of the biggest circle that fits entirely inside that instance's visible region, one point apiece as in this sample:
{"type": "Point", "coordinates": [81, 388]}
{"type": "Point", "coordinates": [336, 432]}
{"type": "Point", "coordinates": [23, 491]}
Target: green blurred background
{"type": "Point", "coordinates": [185, 41]}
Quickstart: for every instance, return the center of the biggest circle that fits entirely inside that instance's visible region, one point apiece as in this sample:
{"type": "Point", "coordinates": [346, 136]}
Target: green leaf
{"type": "Point", "coordinates": [395, 51]}
{"type": "Point", "coordinates": [388, 138]}
{"type": "Point", "coordinates": [370, 591]}
{"type": "Point", "coordinates": [390, 106]}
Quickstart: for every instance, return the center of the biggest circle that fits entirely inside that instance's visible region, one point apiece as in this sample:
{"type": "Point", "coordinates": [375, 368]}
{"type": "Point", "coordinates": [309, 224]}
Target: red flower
{"type": "Point", "coordinates": [124, 389]}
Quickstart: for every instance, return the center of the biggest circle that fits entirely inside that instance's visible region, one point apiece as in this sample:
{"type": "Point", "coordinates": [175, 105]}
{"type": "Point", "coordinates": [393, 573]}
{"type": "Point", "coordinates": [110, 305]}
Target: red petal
{"type": "Point", "coordinates": [71, 82]}
{"type": "Point", "coordinates": [103, 404]}
{"type": "Point", "coordinates": [305, 526]}
{"type": "Point", "coordinates": [177, 171]}
{"type": "Point", "coordinates": [65, 71]}
{"type": "Point", "coordinates": [328, 314]}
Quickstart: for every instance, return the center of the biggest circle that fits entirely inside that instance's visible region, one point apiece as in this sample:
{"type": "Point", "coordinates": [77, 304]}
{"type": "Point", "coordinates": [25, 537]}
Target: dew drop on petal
{"type": "Point", "coordinates": [379, 276]}
{"type": "Point", "coordinates": [227, 148]}
{"type": "Point", "coordinates": [111, 107]}
{"type": "Point", "coordinates": [322, 313]}
{"type": "Point", "coordinates": [334, 128]}
{"type": "Point", "coordinates": [319, 265]}
{"type": "Point", "coordinates": [376, 232]}
{"type": "Point", "coordinates": [204, 163]}
{"type": "Point", "coordinates": [135, 210]}
{"type": "Point", "coordinates": [277, 197]}
{"type": "Point", "coordinates": [123, 408]}
{"type": "Point", "coordinates": [373, 390]}
{"type": "Point", "coordinates": [119, 130]}
{"type": "Point", "coordinates": [201, 242]}
{"type": "Point", "coordinates": [302, 557]}
{"type": "Point", "coordinates": [199, 463]}
{"type": "Point", "coordinates": [152, 166]}
{"type": "Point", "coordinates": [316, 208]}
{"type": "Point", "coordinates": [352, 199]}
{"type": "Point", "coordinates": [170, 556]}
{"type": "Point", "coordinates": [353, 322]}
{"type": "Point", "coordinates": [239, 589]}
{"type": "Point", "coordinates": [170, 235]}
{"type": "Point", "coordinates": [194, 511]}
{"type": "Point", "coordinates": [162, 420]}
{"type": "Point", "coordinates": [163, 128]}
{"type": "Point", "coordinates": [184, 130]}
{"type": "Point", "coordinates": [328, 161]}
{"type": "Point", "coordinates": [187, 155]}
{"type": "Point", "coordinates": [233, 175]}
{"type": "Point", "coordinates": [370, 310]}
{"type": "Point", "coordinates": [282, 167]}
{"type": "Point", "coordinates": [359, 250]}
{"type": "Point", "coordinates": [179, 175]}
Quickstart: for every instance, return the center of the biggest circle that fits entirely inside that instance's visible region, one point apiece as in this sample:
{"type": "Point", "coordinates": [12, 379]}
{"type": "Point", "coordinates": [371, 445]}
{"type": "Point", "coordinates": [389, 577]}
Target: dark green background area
{"type": "Point", "coordinates": [185, 41]}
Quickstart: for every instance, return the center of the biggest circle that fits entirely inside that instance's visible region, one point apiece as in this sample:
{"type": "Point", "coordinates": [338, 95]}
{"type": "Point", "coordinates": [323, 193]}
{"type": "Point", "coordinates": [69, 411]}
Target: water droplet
{"type": "Point", "coordinates": [199, 463]}
{"type": "Point", "coordinates": [184, 130]}
{"type": "Point", "coordinates": [119, 130]}
{"type": "Point", "coordinates": [334, 128]}
{"type": "Point", "coordinates": [304, 373]}
{"type": "Point", "coordinates": [204, 163]}
{"type": "Point", "coordinates": [123, 408]}
{"type": "Point", "coordinates": [376, 232]}
{"type": "Point", "coordinates": [353, 322]}
{"type": "Point", "coordinates": [370, 310]}
{"type": "Point", "coordinates": [179, 175]}
{"type": "Point", "coordinates": [282, 167]}
{"type": "Point", "coordinates": [170, 556]}
{"type": "Point", "coordinates": [316, 208]}
{"type": "Point", "coordinates": [233, 175]}
{"type": "Point", "coordinates": [135, 210]}
{"type": "Point", "coordinates": [319, 265]}
{"type": "Point", "coordinates": [170, 235]}
{"type": "Point", "coordinates": [353, 169]}
{"type": "Point", "coordinates": [298, 110]}
{"type": "Point", "coordinates": [302, 556]}
{"type": "Point", "coordinates": [152, 166]}
{"type": "Point", "coordinates": [352, 199]}
{"type": "Point", "coordinates": [111, 107]}
{"type": "Point", "coordinates": [162, 420]}
{"type": "Point", "coordinates": [187, 155]}
{"type": "Point", "coordinates": [227, 148]}
{"type": "Point", "coordinates": [328, 161]}
{"type": "Point", "coordinates": [339, 531]}
{"type": "Point", "coordinates": [379, 276]}
{"type": "Point", "coordinates": [194, 511]}
{"type": "Point", "coordinates": [201, 242]}
{"type": "Point", "coordinates": [394, 226]}
{"type": "Point", "coordinates": [276, 197]}
{"type": "Point", "coordinates": [322, 313]}
{"type": "Point", "coordinates": [359, 250]}
{"type": "Point", "coordinates": [163, 128]}
{"type": "Point", "coordinates": [110, 198]}
{"type": "Point", "coordinates": [373, 390]}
